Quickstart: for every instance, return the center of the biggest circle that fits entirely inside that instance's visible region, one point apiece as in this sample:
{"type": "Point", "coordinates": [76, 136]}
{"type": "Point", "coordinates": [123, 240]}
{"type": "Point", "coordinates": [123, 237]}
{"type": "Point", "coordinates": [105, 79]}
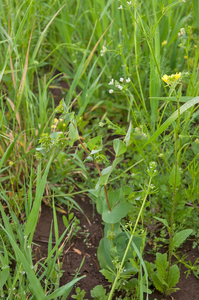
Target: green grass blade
{"type": "Point", "coordinates": [20, 257]}
{"type": "Point", "coordinates": [183, 99]}
{"type": "Point", "coordinates": [43, 34]}
{"type": "Point", "coordinates": [35, 284]}
{"type": "Point", "coordinates": [56, 230]}
{"type": "Point", "coordinates": [7, 153]}
{"type": "Point", "coordinates": [4, 266]}
{"type": "Point", "coordinates": [172, 118]}
{"type": "Point", "coordinates": [75, 82]}
{"type": "Point", "coordinates": [196, 11]}
{"type": "Point", "coordinates": [106, 8]}
{"type": "Point", "coordinates": [6, 223]}
{"type": "Point", "coordinates": [15, 40]}
{"type": "Point", "coordinates": [33, 217]}
{"type": "Point", "coordinates": [87, 94]}
{"type": "Point", "coordinates": [59, 292]}
{"type": "Point", "coordinates": [154, 75]}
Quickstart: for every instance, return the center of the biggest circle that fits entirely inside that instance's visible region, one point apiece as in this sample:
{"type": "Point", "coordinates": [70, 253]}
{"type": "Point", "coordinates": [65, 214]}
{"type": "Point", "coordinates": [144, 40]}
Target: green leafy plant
{"type": "Point", "coordinates": [107, 72]}
{"type": "Point", "coordinates": [162, 282]}
{"type": "Point", "coordinates": [79, 294]}
{"type": "Point", "coordinates": [99, 293]}
{"type": "Point", "coordinates": [117, 246]}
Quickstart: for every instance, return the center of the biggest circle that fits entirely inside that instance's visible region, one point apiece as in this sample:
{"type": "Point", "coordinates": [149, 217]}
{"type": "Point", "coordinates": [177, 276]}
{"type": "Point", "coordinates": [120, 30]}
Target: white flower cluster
{"type": "Point", "coordinates": [103, 50]}
{"type": "Point", "coordinates": [152, 168]}
{"type": "Point", "coordinates": [119, 86]}
{"type": "Point", "coordinates": [182, 32]}
{"type": "Point", "coordinates": [128, 2]}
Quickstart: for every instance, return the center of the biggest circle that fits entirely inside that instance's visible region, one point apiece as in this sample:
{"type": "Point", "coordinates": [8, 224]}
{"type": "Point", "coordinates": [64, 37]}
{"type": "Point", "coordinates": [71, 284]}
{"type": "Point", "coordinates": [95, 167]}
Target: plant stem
{"type": "Point", "coordinates": [100, 174]}
{"type": "Point", "coordinates": [175, 184]}
{"type": "Point", "coordinates": [129, 243]}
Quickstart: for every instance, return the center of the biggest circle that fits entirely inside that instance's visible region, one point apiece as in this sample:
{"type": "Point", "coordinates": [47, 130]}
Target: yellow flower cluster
{"type": "Point", "coordinates": [55, 121]}
{"type": "Point", "coordinates": [172, 78]}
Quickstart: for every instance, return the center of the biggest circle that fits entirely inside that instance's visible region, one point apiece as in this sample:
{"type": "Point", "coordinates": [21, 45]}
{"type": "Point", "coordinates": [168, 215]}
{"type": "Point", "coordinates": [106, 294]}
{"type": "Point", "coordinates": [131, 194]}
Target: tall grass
{"type": "Point", "coordinates": [25, 279]}
{"type": "Point", "coordinates": [45, 42]}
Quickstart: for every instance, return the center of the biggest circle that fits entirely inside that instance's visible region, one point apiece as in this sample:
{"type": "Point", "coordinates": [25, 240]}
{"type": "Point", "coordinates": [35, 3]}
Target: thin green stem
{"type": "Point", "coordinates": [175, 184]}
{"type": "Point", "coordinates": [131, 108]}
{"type": "Point", "coordinates": [136, 65]}
{"type": "Point", "coordinates": [100, 174]}
{"type": "Point", "coordinates": [129, 243]}
{"type": "Point", "coordinates": [126, 170]}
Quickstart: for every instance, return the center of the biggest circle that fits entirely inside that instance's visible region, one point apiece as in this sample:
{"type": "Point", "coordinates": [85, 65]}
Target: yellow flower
{"type": "Point", "coordinates": [55, 121]}
{"type": "Point", "coordinates": [53, 126]}
{"type": "Point", "coordinates": [172, 78]}
{"type": "Point", "coordinates": [177, 76]}
{"type": "Point", "coordinates": [11, 163]}
{"type": "Point", "coordinates": [165, 78]}
{"type": "Point", "coordinates": [164, 43]}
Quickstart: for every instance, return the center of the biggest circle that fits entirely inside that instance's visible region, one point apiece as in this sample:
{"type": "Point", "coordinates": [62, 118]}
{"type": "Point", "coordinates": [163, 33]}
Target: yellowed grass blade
{"type": "Point", "coordinates": [92, 52]}
{"type": "Point", "coordinates": [22, 83]}
{"type": "Point", "coordinates": [9, 49]}
{"type": "Point", "coordinates": [29, 146]}
{"type": "Point", "coordinates": [17, 114]}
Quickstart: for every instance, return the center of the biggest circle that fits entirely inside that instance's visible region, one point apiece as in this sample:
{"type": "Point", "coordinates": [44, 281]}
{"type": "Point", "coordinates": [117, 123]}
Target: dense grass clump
{"type": "Point", "coordinates": [105, 92]}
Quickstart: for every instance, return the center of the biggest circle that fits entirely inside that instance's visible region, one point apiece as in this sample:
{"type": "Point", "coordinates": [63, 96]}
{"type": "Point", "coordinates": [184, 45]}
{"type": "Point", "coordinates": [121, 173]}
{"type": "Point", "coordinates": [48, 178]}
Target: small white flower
{"type": "Point", "coordinates": [182, 31]}
{"type": "Point", "coordinates": [121, 79]}
{"type": "Point", "coordinates": [111, 82]}
{"type": "Point", "coordinates": [103, 50]}
{"type": "Point", "coordinates": [120, 7]}
{"type": "Point", "coordinates": [120, 87]}
{"type": "Point", "coordinates": [110, 91]}
{"type": "Point", "coordinates": [129, 2]}
{"type": "Point", "coordinates": [128, 80]}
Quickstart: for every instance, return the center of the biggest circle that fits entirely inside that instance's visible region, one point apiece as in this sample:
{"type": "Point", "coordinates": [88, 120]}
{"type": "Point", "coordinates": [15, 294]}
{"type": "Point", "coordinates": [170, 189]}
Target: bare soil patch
{"type": "Point", "coordinates": [77, 249]}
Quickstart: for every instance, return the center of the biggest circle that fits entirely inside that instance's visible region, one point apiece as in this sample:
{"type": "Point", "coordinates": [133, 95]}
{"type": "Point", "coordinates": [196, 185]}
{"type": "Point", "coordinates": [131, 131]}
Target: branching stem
{"type": "Point", "coordinates": [100, 174]}
{"type": "Point", "coordinates": [129, 243]}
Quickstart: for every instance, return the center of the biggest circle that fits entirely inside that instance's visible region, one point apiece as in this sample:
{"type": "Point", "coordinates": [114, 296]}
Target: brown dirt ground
{"type": "Point", "coordinates": [77, 250]}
